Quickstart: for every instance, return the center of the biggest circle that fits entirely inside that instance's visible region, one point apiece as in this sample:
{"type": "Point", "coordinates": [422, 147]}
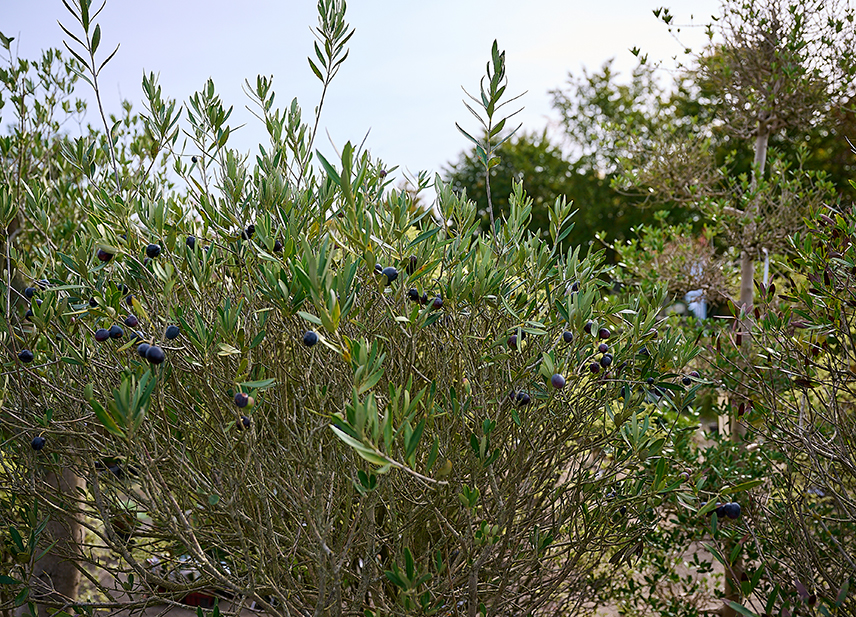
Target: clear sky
{"type": "Point", "coordinates": [402, 80]}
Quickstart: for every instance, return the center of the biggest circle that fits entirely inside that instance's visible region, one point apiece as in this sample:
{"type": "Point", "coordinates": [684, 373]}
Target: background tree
{"type": "Point", "coordinates": [547, 175]}
{"type": "Point", "coordinates": [774, 66]}
{"type": "Point", "coordinates": [759, 83]}
{"type": "Point", "coordinates": [802, 410]}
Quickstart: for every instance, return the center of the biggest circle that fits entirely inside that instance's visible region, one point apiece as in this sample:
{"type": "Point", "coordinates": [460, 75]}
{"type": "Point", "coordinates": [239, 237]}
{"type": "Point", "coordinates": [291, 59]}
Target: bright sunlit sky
{"type": "Point", "coordinates": [403, 77]}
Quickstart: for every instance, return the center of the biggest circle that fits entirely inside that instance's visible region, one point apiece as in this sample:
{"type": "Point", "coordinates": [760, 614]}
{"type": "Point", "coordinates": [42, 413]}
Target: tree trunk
{"type": "Point", "coordinates": [747, 288]}
{"type": "Point", "coordinates": [747, 300]}
{"type": "Point", "coordinates": [747, 257]}
{"type": "Point", "coordinates": [55, 576]}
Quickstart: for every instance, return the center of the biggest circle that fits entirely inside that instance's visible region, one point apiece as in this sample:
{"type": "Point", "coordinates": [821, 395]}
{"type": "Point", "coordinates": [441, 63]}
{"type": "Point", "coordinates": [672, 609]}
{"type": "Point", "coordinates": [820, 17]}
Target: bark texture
{"type": "Point", "coordinates": [57, 578]}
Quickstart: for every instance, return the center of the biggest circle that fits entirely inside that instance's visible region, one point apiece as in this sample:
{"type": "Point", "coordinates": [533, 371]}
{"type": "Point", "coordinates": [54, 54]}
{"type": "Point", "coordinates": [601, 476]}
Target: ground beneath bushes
{"type": "Point", "coordinates": [705, 603]}
{"type": "Point", "coordinates": [117, 594]}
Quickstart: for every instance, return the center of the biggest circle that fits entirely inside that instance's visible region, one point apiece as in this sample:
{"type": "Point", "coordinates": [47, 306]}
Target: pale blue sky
{"type": "Point", "coordinates": [407, 63]}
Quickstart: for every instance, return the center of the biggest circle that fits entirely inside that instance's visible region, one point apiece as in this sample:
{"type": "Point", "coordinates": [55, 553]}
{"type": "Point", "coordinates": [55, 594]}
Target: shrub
{"type": "Point", "coordinates": [392, 468]}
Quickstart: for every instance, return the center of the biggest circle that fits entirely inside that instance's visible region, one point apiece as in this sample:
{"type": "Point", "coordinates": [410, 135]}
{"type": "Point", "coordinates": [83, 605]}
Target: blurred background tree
{"type": "Point", "coordinates": [609, 128]}
{"type": "Point", "coordinates": [580, 164]}
{"type": "Point", "coordinates": [548, 174]}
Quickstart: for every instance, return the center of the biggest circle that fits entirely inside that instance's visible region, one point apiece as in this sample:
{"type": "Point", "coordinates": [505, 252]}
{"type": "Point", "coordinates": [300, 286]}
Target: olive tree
{"type": "Point", "coordinates": [286, 384]}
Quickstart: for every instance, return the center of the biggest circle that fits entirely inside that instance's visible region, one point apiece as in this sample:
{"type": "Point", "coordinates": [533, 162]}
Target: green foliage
{"type": "Point", "coordinates": [688, 257]}
{"type": "Point", "coordinates": [678, 150]}
{"type": "Point", "coordinates": [598, 113]}
{"type": "Point", "coordinates": [777, 64]}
